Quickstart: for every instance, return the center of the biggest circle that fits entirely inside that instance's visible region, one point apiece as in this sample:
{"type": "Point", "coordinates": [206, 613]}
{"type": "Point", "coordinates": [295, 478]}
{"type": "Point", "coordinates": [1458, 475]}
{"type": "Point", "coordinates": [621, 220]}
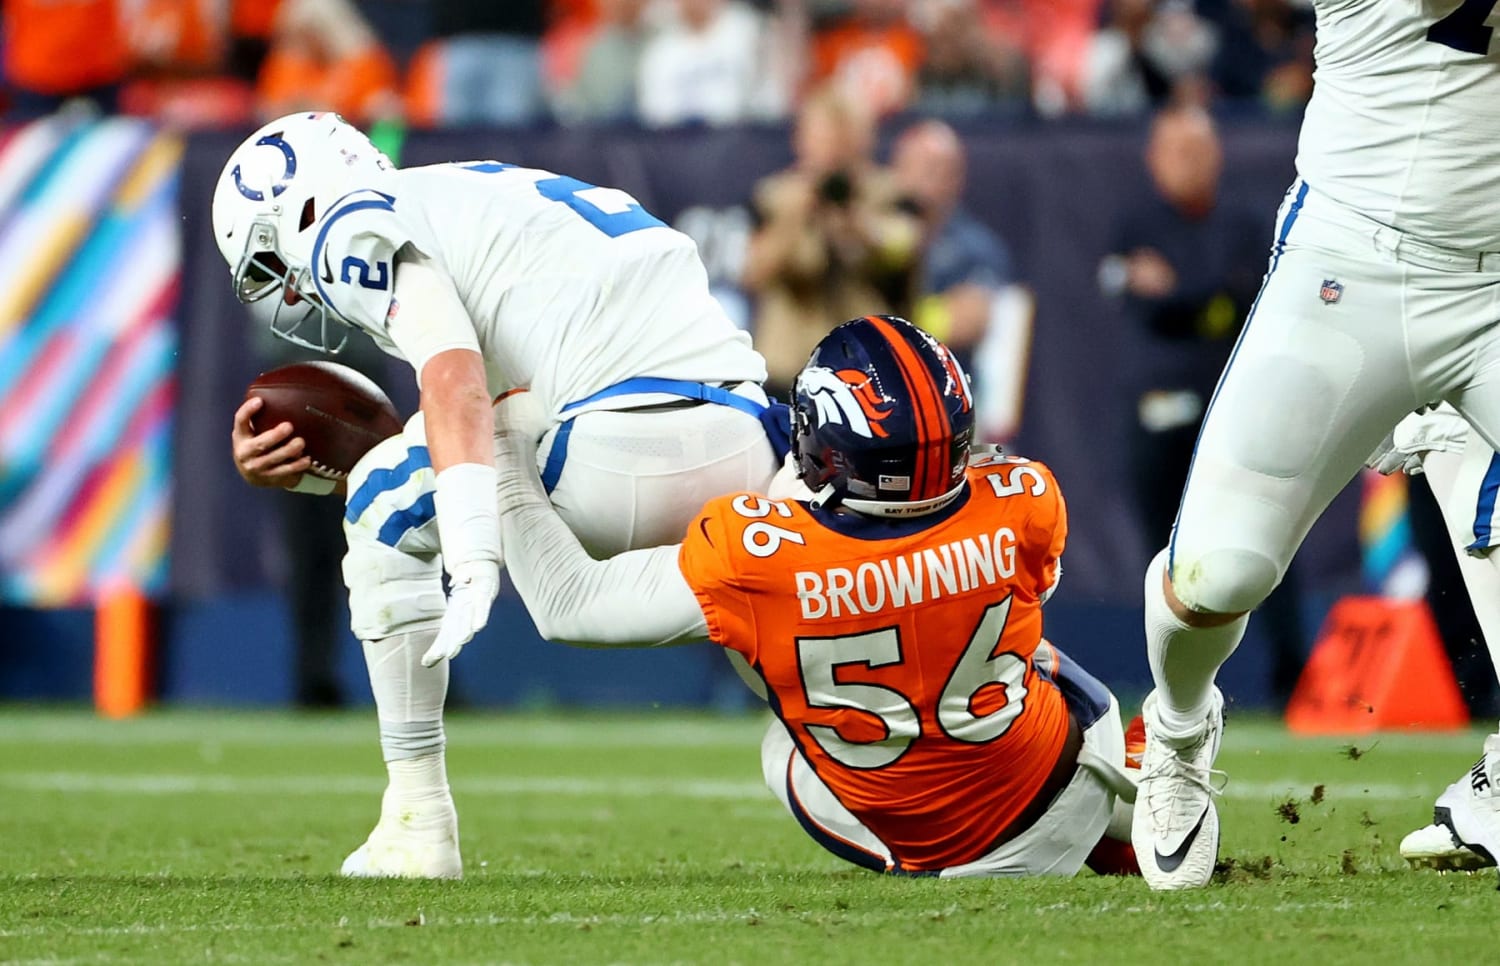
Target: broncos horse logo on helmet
{"type": "Point", "coordinates": [848, 395]}
{"type": "Point", "coordinates": [882, 419]}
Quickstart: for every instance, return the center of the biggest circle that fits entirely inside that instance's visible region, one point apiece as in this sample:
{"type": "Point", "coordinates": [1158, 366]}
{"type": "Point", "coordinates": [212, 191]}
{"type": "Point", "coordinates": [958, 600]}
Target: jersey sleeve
{"type": "Point", "coordinates": [708, 562]}
{"type": "Point", "coordinates": [1046, 533]}
{"type": "Point", "coordinates": [354, 258]}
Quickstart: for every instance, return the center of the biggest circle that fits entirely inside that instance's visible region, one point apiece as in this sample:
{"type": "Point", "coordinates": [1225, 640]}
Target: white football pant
{"type": "Point", "coordinates": [1356, 326]}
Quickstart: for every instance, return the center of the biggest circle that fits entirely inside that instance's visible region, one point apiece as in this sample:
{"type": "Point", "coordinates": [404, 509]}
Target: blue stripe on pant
{"type": "Point", "coordinates": [403, 521]}
{"type": "Point", "coordinates": [381, 480]}
{"type": "Point", "coordinates": [1484, 507]}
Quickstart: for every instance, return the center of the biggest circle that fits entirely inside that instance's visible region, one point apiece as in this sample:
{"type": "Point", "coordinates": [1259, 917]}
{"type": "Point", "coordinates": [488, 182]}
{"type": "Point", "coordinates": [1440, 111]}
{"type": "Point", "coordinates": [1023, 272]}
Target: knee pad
{"type": "Point", "coordinates": [391, 592]}
{"type": "Point", "coordinates": [1225, 581]}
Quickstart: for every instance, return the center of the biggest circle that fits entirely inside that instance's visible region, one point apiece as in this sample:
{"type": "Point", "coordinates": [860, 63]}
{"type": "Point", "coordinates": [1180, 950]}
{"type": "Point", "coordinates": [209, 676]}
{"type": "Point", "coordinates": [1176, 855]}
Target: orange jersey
{"type": "Point", "coordinates": [63, 46]}
{"type": "Point", "coordinates": [899, 652]}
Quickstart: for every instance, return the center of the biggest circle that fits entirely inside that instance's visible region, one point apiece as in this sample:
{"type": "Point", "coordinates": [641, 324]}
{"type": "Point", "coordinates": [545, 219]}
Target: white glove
{"type": "Point", "coordinates": [468, 521]}
{"type": "Point", "coordinates": [472, 590]}
{"type": "Point", "coordinates": [1388, 458]}
{"type": "Point", "coordinates": [1439, 430]}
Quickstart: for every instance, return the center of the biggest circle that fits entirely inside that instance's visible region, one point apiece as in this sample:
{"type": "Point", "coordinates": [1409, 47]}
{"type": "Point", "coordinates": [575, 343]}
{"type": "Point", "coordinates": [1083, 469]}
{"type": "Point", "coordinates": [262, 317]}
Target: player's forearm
{"type": "Point", "coordinates": [456, 410]}
{"type": "Point", "coordinates": [636, 599]}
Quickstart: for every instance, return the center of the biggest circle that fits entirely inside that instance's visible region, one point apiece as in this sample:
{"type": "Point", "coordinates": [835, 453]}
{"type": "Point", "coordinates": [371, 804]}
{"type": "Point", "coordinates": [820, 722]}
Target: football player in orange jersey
{"type": "Point", "coordinates": [923, 726]}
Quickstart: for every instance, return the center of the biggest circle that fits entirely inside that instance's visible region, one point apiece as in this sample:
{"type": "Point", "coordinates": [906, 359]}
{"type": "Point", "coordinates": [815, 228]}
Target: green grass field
{"type": "Point", "coordinates": [650, 839]}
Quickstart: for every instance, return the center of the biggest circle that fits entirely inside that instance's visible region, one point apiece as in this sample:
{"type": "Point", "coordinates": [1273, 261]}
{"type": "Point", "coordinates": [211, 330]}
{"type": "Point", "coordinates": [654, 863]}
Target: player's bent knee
{"type": "Point", "coordinates": [1227, 581]}
{"type": "Point", "coordinates": [391, 592]}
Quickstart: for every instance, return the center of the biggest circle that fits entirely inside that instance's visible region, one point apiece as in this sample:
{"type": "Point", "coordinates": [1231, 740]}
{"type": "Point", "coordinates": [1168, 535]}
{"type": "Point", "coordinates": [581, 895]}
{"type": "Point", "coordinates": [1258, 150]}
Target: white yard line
{"type": "Point", "coordinates": [635, 786]}
{"type": "Point", "coordinates": [283, 730]}
{"type": "Point", "coordinates": [179, 784]}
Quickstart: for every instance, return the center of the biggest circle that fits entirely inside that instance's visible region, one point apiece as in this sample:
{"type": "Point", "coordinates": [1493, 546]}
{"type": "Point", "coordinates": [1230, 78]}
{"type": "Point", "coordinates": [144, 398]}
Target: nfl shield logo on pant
{"type": "Point", "coordinates": [1331, 291]}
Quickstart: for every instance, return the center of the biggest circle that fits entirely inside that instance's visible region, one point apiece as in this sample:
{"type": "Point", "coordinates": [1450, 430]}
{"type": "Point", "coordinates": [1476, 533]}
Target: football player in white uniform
{"type": "Point", "coordinates": [1380, 298]}
{"type": "Point", "coordinates": [485, 277]}
{"type": "Point", "coordinates": [1464, 475]}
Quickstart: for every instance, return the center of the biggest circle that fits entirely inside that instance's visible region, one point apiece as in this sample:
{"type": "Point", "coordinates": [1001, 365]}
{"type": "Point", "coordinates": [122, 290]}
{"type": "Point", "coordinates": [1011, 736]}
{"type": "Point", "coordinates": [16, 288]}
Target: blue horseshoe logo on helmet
{"type": "Point", "coordinates": [273, 141]}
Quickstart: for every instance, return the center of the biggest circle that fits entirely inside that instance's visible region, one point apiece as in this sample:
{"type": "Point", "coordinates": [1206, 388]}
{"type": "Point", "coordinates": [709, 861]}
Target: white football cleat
{"type": "Point", "coordinates": [413, 841]}
{"type": "Point", "coordinates": [1175, 829]}
{"type": "Point", "coordinates": [1470, 807]}
{"type": "Point", "coordinates": [1434, 847]}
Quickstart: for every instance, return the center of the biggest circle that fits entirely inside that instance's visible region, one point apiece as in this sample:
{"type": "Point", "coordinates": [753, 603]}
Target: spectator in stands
{"type": "Point", "coordinates": [604, 88]}
{"type": "Point", "coordinates": [484, 65]}
{"type": "Point", "coordinates": [1187, 264]}
{"type": "Point", "coordinates": [252, 24]}
{"type": "Point", "coordinates": [964, 263]}
{"type": "Point", "coordinates": [1054, 36]}
{"type": "Point", "coordinates": [324, 56]}
{"type": "Point", "coordinates": [1149, 54]}
{"type": "Point", "coordinates": [966, 70]}
{"type": "Point", "coordinates": [1265, 53]}
{"type": "Point", "coordinates": [181, 51]}
{"type": "Point", "coordinates": [831, 241]}
{"type": "Point", "coordinates": [705, 64]}
{"type": "Point", "coordinates": [873, 53]}
{"type": "Point", "coordinates": [55, 52]}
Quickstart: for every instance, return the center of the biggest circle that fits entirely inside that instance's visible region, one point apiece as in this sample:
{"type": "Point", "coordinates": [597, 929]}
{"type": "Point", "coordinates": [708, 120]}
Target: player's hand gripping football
{"type": "Point", "coordinates": [272, 458]}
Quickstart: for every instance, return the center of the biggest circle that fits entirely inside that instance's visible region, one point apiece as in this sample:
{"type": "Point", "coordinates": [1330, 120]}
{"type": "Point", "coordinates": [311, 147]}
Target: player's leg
{"type": "Point", "coordinates": [1465, 833]}
{"type": "Point", "coordinates": [1455, 463]}
{"type": "Point", "coordinates": [1307, 394]}
{"type": "Point", "coordinates": [1089, 821]}
{"type": "Point", "coordinates": [638, 478]}
{"type": "Point", "coordinates": [396, 603]}
{"type": "Point", "coordinates": [815, 806]}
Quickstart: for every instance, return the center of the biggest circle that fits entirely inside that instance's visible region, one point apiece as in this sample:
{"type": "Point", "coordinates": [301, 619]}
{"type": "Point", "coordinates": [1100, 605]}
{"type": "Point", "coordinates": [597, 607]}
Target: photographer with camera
{"type": "Point", "coordinates": [832, 240]}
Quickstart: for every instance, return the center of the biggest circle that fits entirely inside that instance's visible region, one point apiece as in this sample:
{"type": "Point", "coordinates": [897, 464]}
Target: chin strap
{"type": "Point", "coordinates": [823, 497]}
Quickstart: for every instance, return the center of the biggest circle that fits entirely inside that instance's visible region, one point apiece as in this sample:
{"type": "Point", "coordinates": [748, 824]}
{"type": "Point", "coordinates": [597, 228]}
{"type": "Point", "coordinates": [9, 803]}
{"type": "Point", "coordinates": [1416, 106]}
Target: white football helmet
{"type": "Point", "coordinates": [272, 192]}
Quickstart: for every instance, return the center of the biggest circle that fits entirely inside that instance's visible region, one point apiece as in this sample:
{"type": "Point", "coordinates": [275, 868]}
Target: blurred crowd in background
{"type": "Point", "coordinates": [217, 63]}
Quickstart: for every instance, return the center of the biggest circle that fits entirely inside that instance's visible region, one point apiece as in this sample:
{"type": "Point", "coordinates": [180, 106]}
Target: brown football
{"type": "Point", "coordinates": [338, 412]}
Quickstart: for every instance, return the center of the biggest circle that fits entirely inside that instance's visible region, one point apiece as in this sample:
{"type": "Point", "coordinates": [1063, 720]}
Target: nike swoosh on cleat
{"type": "Point", "coordinates": [1169, 863]}
{"type": "Point", "coordinates": [1444, 817]}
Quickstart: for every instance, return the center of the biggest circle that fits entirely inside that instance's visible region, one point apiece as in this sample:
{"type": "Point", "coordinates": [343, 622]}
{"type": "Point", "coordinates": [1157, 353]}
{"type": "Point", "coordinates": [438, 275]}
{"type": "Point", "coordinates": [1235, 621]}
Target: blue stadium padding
{"type": "Point", "coordinates": [46, 655]}
{"type": "Point", "coordinates": [238, 651]}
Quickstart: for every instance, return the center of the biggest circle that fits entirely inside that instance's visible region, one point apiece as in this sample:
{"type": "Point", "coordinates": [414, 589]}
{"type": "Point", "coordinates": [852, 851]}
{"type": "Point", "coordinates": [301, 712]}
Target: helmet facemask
{"type": "Point", "coordinates": [263, 271]}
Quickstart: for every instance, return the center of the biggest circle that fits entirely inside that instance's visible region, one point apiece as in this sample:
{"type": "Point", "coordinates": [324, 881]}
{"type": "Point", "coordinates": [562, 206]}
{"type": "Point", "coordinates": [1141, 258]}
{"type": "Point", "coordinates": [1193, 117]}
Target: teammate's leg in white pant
{"type": "Point", "coordinates": [1312, 387]}
{"type": "Point", "coordinates": [1457, 481]}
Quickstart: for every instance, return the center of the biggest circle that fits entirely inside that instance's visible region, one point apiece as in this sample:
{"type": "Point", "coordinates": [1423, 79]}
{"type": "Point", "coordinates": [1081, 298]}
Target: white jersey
{"type": "Point", "coordinates": [1404, 122]}
{"type": "Point", "coordinates": [571, 288]}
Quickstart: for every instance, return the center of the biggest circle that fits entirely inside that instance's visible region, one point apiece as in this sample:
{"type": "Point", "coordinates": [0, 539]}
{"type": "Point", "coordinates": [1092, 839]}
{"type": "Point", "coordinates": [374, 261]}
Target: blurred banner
{"type": "Point", "coordinates": [89, 276]}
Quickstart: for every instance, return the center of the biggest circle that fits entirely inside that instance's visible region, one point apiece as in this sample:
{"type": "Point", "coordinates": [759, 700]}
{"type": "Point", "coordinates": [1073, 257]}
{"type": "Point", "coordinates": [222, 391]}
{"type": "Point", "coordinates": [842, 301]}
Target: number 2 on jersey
{"type": "Point", "coordinates": [962, 709]}
{"type": "Point", "coordinates": [1465, 28]}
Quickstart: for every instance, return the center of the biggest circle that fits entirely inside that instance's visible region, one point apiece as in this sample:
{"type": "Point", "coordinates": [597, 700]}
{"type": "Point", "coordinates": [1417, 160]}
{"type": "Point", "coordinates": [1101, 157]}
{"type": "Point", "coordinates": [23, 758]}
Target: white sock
{"type": "Point", "coordinates": [409, 703]}
{"type": "Point", "coordinates": [416, 780]}
{"type": "Point", "coordinates": [1184, 659]}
